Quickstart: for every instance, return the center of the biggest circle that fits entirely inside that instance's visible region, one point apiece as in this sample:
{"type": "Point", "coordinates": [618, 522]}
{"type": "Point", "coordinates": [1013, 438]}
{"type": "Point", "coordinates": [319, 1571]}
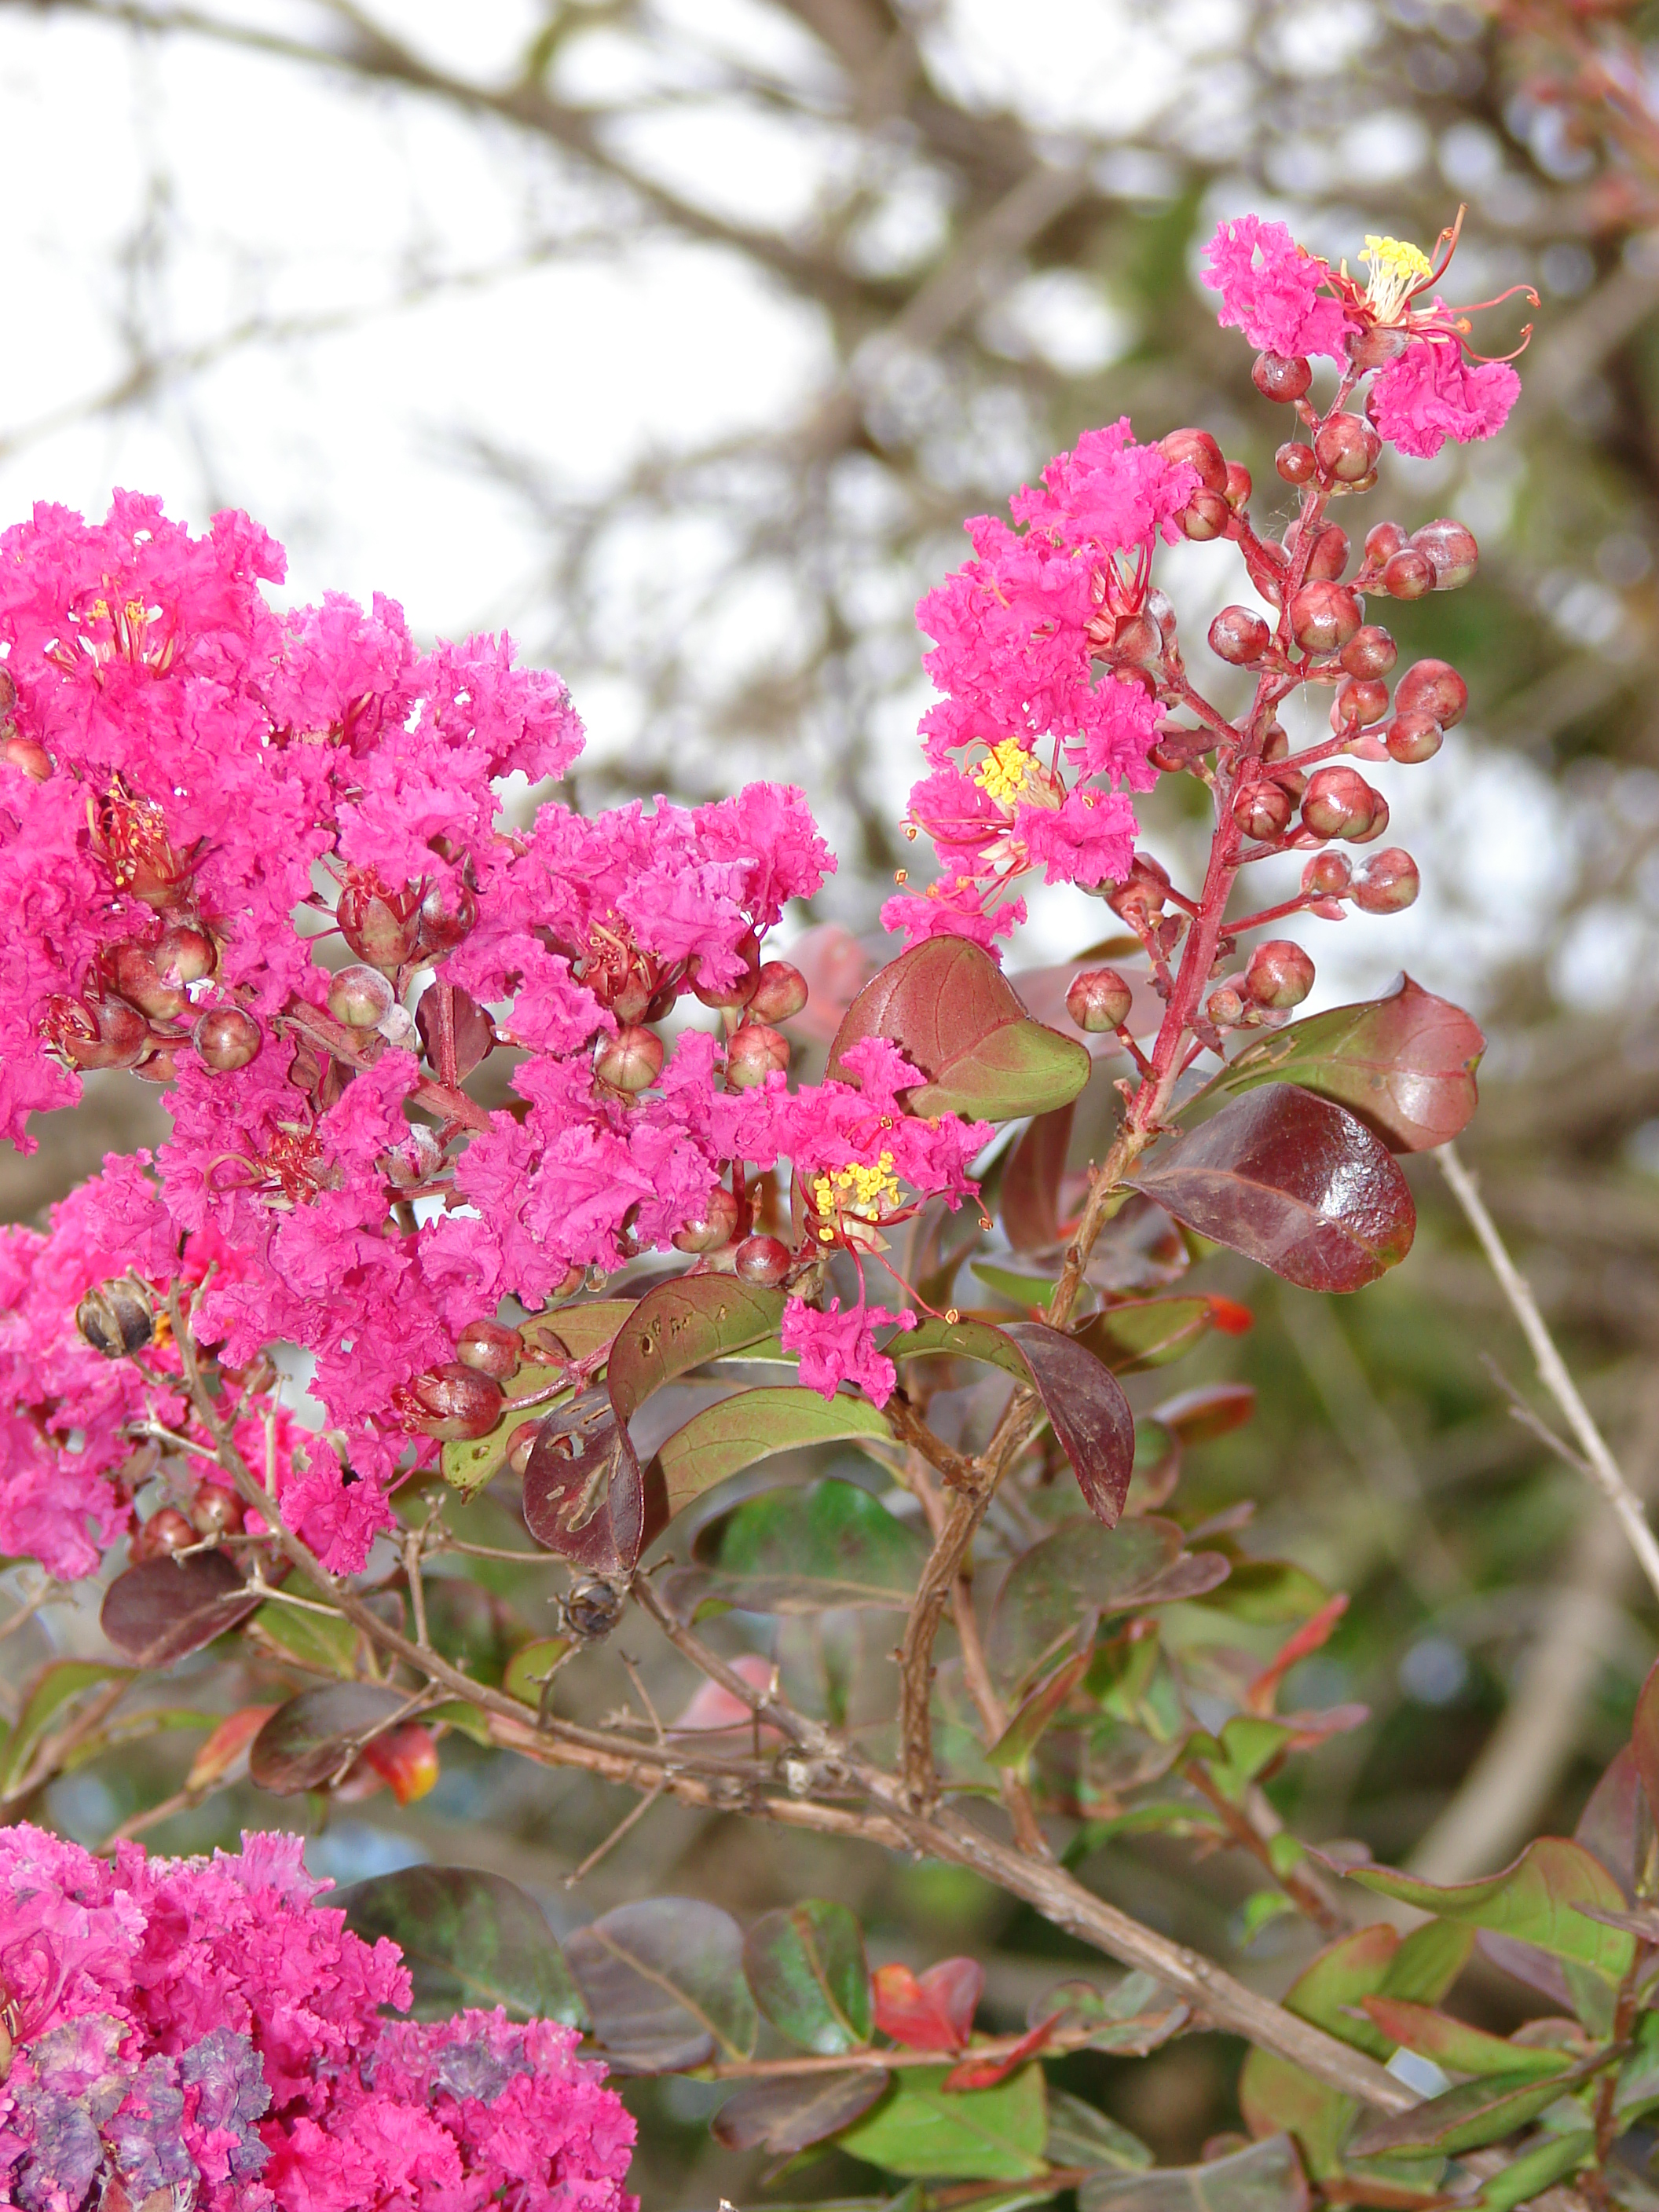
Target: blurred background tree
{"type": "Point", "coordinates": [679, 335]}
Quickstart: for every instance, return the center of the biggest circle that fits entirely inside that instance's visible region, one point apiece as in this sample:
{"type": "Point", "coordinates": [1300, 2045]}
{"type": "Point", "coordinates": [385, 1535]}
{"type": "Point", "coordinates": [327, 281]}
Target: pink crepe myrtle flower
{"type": "Point", "coordinates": [836, 1347]}
{"type": "Point", "coordinates": [1271, 289]}
{"type": "Point", "coordinates": [1430, 393]}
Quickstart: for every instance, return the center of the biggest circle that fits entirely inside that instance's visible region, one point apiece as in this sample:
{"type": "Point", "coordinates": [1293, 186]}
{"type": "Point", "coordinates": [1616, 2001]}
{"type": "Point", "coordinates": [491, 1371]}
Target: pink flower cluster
{"type": "Point", "coordinates": [1018, 629]}
{"type": "Point", "coordinates": [205, 2026]}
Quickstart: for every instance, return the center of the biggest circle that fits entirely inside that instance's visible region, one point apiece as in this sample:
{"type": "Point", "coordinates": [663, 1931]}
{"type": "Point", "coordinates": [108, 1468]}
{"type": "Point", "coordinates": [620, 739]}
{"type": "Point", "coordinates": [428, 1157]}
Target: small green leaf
{"type": "Point", "coordinates": [724, 1439]}
{"type": "Point", "coordinates": [468, 1938]}
{"type": "Point", "coordinates": [1024, 1732]}
{"type": "Point", "coordinates": [53, 1690]}
{"type": "Point", "coordinates": [1533, 1900]}
{"type": "Point", "coordinates": [326, 1643]}
{"type": "Point", "coordinates": [806, 1549]}
{"type": "Point", "coordinates": [531, 1665]}
{"type": "Point", "coordinates": [1142, 1333]}
{"type": "Point", "coordinates": [807, 1969]}
{"type": "Point", "coordinates": [1265, 2178]}
{"type": "Point", "coordinates": [1033, 1292]}
{"type": "Point", "coordinates": [663, 1983]}
{"type": "Point", "coordinates": [1268, 1591]}
{"type": "Point", "coordinates": [977, 2135]}
{"type": "Point", "coordinates": [1464, 2118]}
{"type": "Point", "coordinates": [1080, 2136]}
{"type": "Point", "coordinates": [1532, 2173]}
{"type": "Point", "coordinates": [1453, 2044]}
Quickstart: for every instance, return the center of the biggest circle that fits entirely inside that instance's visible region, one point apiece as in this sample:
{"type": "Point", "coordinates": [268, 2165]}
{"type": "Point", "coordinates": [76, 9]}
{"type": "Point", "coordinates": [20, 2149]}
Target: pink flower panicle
{"type": "Point", "coordinates": [206, 2026]}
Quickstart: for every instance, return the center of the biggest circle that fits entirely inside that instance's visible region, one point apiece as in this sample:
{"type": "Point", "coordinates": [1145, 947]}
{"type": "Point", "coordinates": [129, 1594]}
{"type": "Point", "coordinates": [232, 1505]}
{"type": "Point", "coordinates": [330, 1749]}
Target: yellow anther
{"type": "Point", "coordinates": [1397, 268]}
{"type": "Point", "coordinates": [1004, 772]}
{"type": "Point", "coordinates": [858, 1190]}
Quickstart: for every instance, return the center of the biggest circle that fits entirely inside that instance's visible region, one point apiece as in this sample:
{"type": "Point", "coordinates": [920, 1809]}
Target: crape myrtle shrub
{"type": "Point", "coordinates": [194, 790]}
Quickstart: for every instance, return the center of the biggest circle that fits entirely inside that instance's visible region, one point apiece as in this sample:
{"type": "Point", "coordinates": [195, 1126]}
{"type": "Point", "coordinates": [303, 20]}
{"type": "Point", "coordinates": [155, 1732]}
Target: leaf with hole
{"type": "Point", "coordinates": [307, 1741]}
{"type": "Point", "coordinates": [724, 1439]}
{"type": "Point", "coordinates": [1267, 2177]}
{"type": "Point", "coordinates": [1404, 1063]}
{"type": "Point", "coordinates": [665, 1986]}
{"type": "Point", "coordinates": [570, 1483]}
{"type": "Point", "coordinates": [957, 1020]}
{"type": "Point", "coordinates": [805, 1550]}
{"type": "Point", "coordinates": [165, 1608]}
{"type": "Point", "coordinates": [977, 2135]}
{"type": "Point", "coordinates": [806, 1967]}
{"type": "Point", "coordinates": [788, 2113]}
{"type": "Point", "coordinates": [574, 1331]}
{"type": "Point", "coordinates": [1293, 1182]}
{"type": "Point", "coordinates": [468, 1938]}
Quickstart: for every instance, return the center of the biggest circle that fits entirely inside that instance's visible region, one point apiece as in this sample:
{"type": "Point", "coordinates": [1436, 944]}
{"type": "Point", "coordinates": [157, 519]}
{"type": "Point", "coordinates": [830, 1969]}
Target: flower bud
{"type": "Point", "coordinates": [491, 1348]}
{"type": "Point", "coordinates": [1135, 640]}
{"type": "Point", "coordinates": [1327, 875]}
{"type": "Point", "coordinates": [1369, 652]}
{"type": "Point", "coordinates": [631, 1060]}
{"type": "Point", "coordinates": [1450, 550]}
{"type": "Point", "coordinates": [1225, 1007]}
{"type": "Point", "coordinates": [1139, 897]}
{"type": "Point", "coordinates": [1361, 700]}
{"type": "Point", "coordinates": [1377, 347]}
{"type": "Point", "coordinates": [521, 1444]}
{"type": "Point", "coordinates": [1406, 574]}
{"type": "Point", "coordinates": [1290, 780]}
{"type": "Point", "coordinates": [381, 926]}
{"type": "Point", "coordinates": [138, 980]}
{"type": "Point", "coordinates": [116, 1318]}
{"type": "Point", "coordinates": [1098, 999]}
{"type": "Point", "coordinates": [1387, 882]}
{"type": "Point", "coordinates": [1346, 447]}
{"type": "Point", "coordinates": [1295, 462]}
{"type": "Point", "coordinates": [1281, 377]}
{"type": "Point", "coordinates": [227, 1038]}
{"type": "Point", "coordinates": [1329, 556]}
{"type": "Point", "coordinates": [1238, 636]}
{"type": "Point", "coordinates": [1263, 810]}
{"type": "Point", "coordinates": [1240, 485]}
{"type": "Point", "coordinates": [780, 992]}
{"type": "Point", "coordinates": [455, 1403]}
{"type": "Point", "coordinates": [740, 992]}
{"type": "Point", "coordinates": [1206, 517]}
{"type": "Point", "coordinates": [216, 1511]}
{"type": "Point", "coordinates": [1432, 687]}
{"type": "Point", "coordinates": [1277, 743]}
{"type": "Point", "coordinates": [1339, 803]}
{"type": "Point", "coordinates": [1323, 617]}
{"type": "Point", "coordinates": [761, 1260]}
{"type": "Point", "coordinates": [360, 997]}
{"type": "Point", "coordinates": [26, 754]}
{"type": "Point", "coordinates": [1413, 738]}
{"type": "Point", "coordinates": [97, 1032]}
{"type": "Point", "coordinates": [1375, 828]}
{"type": "Point", "coordinates": [449, 915]}
{"type": "Point", "coordinates": [753, 1054]}
{"type": "Point", "coordinates": [413, 1161]}
{"type": "Point", "coordinates": [1198, 450]}
{"type": "Point", "coordinates": [164, 1532]}
{"type": "Point", "coordinates": [1279, 974]}
{"type": "Point", "coordinates": [713, 1228]}
{"type": "Point", "coordinates": [1382, 541]}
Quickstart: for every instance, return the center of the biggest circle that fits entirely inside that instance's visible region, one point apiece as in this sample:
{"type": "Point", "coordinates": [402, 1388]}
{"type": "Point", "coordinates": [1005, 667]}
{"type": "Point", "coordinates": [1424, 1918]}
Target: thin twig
{"type": "Point", "coordinates": [629, 1820]}
{"type": "Point", "coordinates": [1602, 1468]}
{"type": "Point", "coordinates": [1533, 1423]}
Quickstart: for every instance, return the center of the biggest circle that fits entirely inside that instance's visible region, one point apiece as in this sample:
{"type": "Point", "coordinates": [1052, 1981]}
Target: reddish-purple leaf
{"type": "Point", "coordinates": [570, 1480]}
{"type": "Point", "coordinates": [932, 2011]}
{"type": "Point", "coordinates": [1212, 1410]}
{"type": "Point", "coordinates": [1088, 1411]}
{"type": "Point", "coordinates": [1610, 1825]}
{"type": "Point", "coordinates": [664, 1982]}
{"type": "Point", "coordinates": [1290, 1181]}
{"type": "Point", "coordinates": [158, 1611]}
{"type": "Point", "coordinates": [955, 1016]}
{"type": "Point", "coordinates": [788, 2113]}
{"type": "Point", "coordinates": [307, 1741]}
{"type": "Point", "coordinates": [473, 1032]}
{"type": "Point", "coordinates": [1031, 1182]}
{"type": "Point", "coordinates": [1404, 1063]}
{"type": "Point", "coordinates": [1644, 1739]}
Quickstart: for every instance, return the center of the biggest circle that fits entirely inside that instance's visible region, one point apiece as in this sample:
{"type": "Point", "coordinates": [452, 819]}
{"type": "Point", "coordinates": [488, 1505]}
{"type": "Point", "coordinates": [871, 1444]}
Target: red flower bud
{"type": "Point", "coordinates": [491, 1348]}
{"type": "Point", "coordinates": [1281, 377]}
{"type": "Point", "coordinates": [1205, 518]}
{"type": "Point", "coordinates": [227, 1038]}
{"type": "Point", "coordinates": [1407, 575]}
{"type": "Point", "coordinates": [1240, 485]}
{"type": "Point", "coordinates": [1375, 828]}
{"type": "Point", "coordinates": [216, 1511]}
{"type": "Point", "coordinates": [779, 992]}
{"type": "Point", "coordinates": [1339, 803]}
{"type": "Point", "coordinates": [165, 1531]}
{"type": "Point", "coordinates": [1098, 999]}
{"type": "Point", "coordinates": [381, 925]}
{"type": "Point", "coordinates": [631, 1060]}
{"type": "Point", "coordinates": [1382, 541]}
{"type": "Point", "coordinates": [454, 1402]}
{"type": "Point", "coordinates": [1279, 975]}
{"type": "Point", "coordinates": [1238, 636]}
{"type": "Point", "coordinates": [140, 982]}
{"type": "Point", "coordinates": [1323, 617]}
{"type": "Point", "coordinates": [740, 992]}
{"type": "Point", "coordinates": [1263, 810]}
{"type": "Point", "coordinates": [1224, 1006]}
{"type": "Point", "coordinates": [1135, 640]}
{"type": "Point", "coordinates": [753, 1054]}
{"type": "Point", "coordinates": [1277, 743]}
{"type": "Point", "coordinates": [24, 753]}
{"type": "Point", "coordinates": [1346, 447]}
{"type": "Point", "coordinates": [1450, 550]}
{"type": "Point", "coordinates": [1414, 737]}
{"type": "Point", "coordinates": [1327, 875]}
{"type": "Point", "coordinates": [713, 1228]}
{"type": "Point", "coordinates": [1369, 652]}
{"type": "Point", "coordinates": [449, 913]}
{"type": "Point", "coordinates": [1329, 555]}
{"type": "Point", "coordinates": [360, 997]}
{"type": "Point", "coordinates": [1141, 893]}
{"type": "Point", "coordinates": [1361, 700]}
{"type": "Point", "coordinates": [1199, 451]}
{"type": "Point", "coordinates": [762, 1260]}
{"type": "Point", "coordinates": [1387, 882]}
{"type": "Point", "coordinates": [1295, 462]}
{"type": "Point", "coordinates": [1432, 687]}
{"type": "Point", "coordinates": [1292, 780]}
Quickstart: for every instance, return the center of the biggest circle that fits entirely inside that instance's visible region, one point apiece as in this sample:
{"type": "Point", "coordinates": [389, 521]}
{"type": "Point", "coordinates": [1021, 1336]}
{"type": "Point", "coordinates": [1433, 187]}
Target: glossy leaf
{"type": "Point", "coordinates": [468, 1465]}
{"type": "Point", "coordinates": [571, 1482]}
{"type": "Point", "coordinates": [1533, 1900]}
{"type": "Point", "coordinates": [1031, 1182]}
{"type": "Point", "coordinates": [810, 1977]}
{"type": "Point", "coordinates": [724, 1439]}
{"type": "Point", "coordinates": [1031, 1293]}
{"type": "Point", "coordinates": [957, 1018]}
{"type": "Point", "coordinates": [53, 1690]}
{"type": "Point", "coordinates": [1087, 1411]}
{"type": "Point", "coordinates": [804, 1550]}
{"type": "Point", "coordinates": [932, 2011]}
{"type": "Point", "coordinates": [1142, 1333]}
{"type": "Point", "coordinates": [164, 1608]}
{"type": "Point", "coordinates": [468, 1938]}
{"type": "Point", "coordinates": [664, 1984]}
{"type": "Point", "coordinates": [1267, 2177]}
{"type": "Point", "coordinates": [979, 2135]}
{"type": "Point", "coordinates": [574, 1331]}
{"type": "Point", "coordinates": [1404, 1063]}
{"type": "Point", "coordinates": [1463, 2119]}
{"type": "Point", "coordinates": [1214, 1409]}
{"type": "Point", "coordinates": [789, 2112]}
{"type": "Point", "coordinates": [1079, 2135]}
{"type": "Point", "coordinates": [306, 1743]}
{"type": "Point", "coordinates": [1455, 2046]}
{"type": "Point", "coordinates": [1291, 1181]}
{"type": "Point", "coordinates": [1055, 1592]}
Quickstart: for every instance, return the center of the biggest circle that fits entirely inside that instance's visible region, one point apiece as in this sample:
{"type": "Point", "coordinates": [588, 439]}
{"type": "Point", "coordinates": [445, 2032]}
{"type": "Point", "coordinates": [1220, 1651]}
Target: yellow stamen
{"type": "Point", "coordinates": [859, 1190]}
{"type": "Point", "coordinates": [1004, 772]}
{"type": "Point", "coordinates": [1397, 268]}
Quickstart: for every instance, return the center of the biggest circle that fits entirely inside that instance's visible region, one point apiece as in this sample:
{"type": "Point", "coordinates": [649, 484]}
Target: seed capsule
{"type": "Point", "coordinates": [449, 913]}
{"type": "Point", "coordinates": [1407, 575]}
{"type": "Point", "coordinates": [1432, 687]}
{"type": "Point", "coordinates": [1382, 541]}
{"type": "Point", "coordinates": [116, 1318]}
{"type": "Point", "coordinates": [1323, 617]}
{"type": "Point", "coordinates": [1279, 974]}
{"type": "Point", "coordinates": [761, 1260]}
{"type": "Point", "coordinates": [165, 1531]}
{"type": "Point", "coordinates": [1346, 447]}
{"type": "Point", "coordinates": [631, 1060]}
{"type": "Point", "coordinates": [1238, 636]}
{"type": "Point", "coordinates": [1387, 882]}
{"type": "Point", "coordinates": [1240, 485]}
{"type": "Point", "coordinates": [714, 1229]}
{"type": "Point", "coordinates": [1450, 550]}
{"type": "Point", "coordinates": [593, 1607]}
{"type": "Point", "coordinates": [139, 981]}
{"type": "Point", "coordinates": [360, 997]}
{"type": "Point", "coordinates": [1295, 462]}
{"type": "Point", "coordinates": [779, 992]}
{"type": "Point", "coordinates": [490, 1348]}
{"type": "Point", "coordinates": [1281, 377]}
{"type": "Point", "coordinates": [1340, 803]}
{"type": "Point", "coordinates": [381, 925]}
{"type": "Point", "coordinates": [1198, 450]}
{"type": "Point", "coordinates": [1413, 737]}
{"type": "Point", "coordinates": [455, 1403]}
{"type": "Point", "coordinates": [753, 1054]}
{"type": "Point", "coordinates": [96, 1032]}
{"type": "Point", "coordinates": [1098, 999]}
{"type": "Point", "coordinates": [1369, 652]}
{"type": "Point", "coordinates": [216, 1511]}
{"type": "Point", "coordinates": [1263, 810]}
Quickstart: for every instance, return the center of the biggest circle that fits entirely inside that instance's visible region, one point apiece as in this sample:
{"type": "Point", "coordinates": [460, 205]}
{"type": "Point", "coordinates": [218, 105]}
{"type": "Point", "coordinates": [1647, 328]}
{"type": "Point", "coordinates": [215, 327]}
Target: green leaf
{"type": "Point", "coordinates": [663, 1983]}
{"type": "Point", "coordinates": [972, 2135]}
{"type": "Point", "coordinates": [1453, 2044]}
{"type": "Point", "coordinates": [1464, 2118]}
{"type": "Point", "coordinates": [1264, 2177]}
{"type": "Point", "coordinates": [468, 1465]}
{"type": "Point", "coordinates": [789, 2112]}
{"type": "Point", "coordinates": [1080, 2136]}
{"type": "Point", "coordinates": [1142, 1333]}
{"type": "Point", "coordinates": [574, 1331]}
{"type": "Point", "coordinates": [1404, 1063]}
{"type": "Point", "coordinates": [54, 1690]}
{"type": "Point", "coordinates": [1056, 1591]}
{"type": "Point", "coordinates": [531, 1665]}
{"type": "Point", "coordinates": [724, 1439]}
{"type": "Point", "coordinates": [1024, 1731]}
{"type": "Point", "coordinates": [468, 1938]}
{"type": "Point", "coordinates": [1534, 1901]}
{"type": "Point", "coordinates": [1033, 1292]}
{"type": "Point", "coordinates": [956, 1018]}
{"type": "Point", "coordinates": [1533, 2172]}
{"type": "Point", "coordinates": [1266, 1591]}
{"type": "Point", "coordinates": [325, 1644]}
{"type": "Point", "coordinates": [803, 1550]}
{"type": "Point", "coordinates": [810, 1977]}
